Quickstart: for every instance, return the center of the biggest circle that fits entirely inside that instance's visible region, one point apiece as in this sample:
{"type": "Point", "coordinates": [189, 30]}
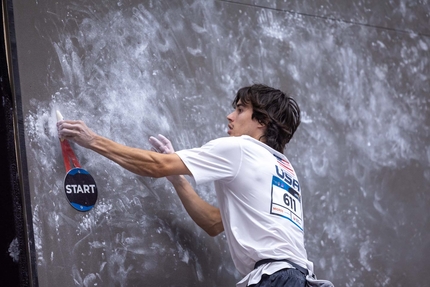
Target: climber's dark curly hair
{"type": "Point", "coordinates": [273, 108]}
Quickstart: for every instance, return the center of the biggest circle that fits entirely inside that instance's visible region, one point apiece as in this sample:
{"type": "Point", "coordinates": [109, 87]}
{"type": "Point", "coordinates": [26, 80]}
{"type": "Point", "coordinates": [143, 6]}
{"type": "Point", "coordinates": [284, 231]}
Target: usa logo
{"type": "Point", "coordinates": [286, 165]}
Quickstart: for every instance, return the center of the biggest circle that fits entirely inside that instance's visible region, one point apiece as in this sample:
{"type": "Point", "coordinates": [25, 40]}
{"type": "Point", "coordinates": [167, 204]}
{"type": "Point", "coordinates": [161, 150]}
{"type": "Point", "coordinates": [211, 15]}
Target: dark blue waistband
{"type": "Point", "coordinates": [298, 267]}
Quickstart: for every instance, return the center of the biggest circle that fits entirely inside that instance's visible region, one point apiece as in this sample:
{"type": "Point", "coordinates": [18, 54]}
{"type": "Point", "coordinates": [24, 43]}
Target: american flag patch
{"type": "Point", "coordinates": [285, 164]}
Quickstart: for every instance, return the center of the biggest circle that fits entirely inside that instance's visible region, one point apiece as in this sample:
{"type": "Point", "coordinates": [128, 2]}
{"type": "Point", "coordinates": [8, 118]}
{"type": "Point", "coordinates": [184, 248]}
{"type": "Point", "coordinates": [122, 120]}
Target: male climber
{"type": "Point", "coordinates": [258, 192]}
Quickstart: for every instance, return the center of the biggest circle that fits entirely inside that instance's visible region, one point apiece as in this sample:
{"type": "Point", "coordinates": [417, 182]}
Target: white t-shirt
{"type": "Point", "coordinates": [259, 198]}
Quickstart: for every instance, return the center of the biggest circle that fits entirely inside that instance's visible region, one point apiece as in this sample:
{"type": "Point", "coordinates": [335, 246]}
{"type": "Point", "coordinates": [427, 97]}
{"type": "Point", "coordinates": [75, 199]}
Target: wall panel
{"type": "Point", "coordinates": [132, 69]}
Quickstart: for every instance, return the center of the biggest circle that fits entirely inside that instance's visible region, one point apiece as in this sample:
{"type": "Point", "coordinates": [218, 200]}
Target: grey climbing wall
{"type": "Point", "coordinates": [131, 69]}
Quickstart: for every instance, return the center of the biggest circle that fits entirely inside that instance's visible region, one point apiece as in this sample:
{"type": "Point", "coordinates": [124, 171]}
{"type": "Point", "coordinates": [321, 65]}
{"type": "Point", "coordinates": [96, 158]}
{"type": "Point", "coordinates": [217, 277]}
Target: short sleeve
{"type": "Point", "coordinates": [219, 159]}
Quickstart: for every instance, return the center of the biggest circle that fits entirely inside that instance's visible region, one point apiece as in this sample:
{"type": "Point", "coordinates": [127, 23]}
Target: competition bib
{"type": "Point", "coordinates": [286, 202]}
